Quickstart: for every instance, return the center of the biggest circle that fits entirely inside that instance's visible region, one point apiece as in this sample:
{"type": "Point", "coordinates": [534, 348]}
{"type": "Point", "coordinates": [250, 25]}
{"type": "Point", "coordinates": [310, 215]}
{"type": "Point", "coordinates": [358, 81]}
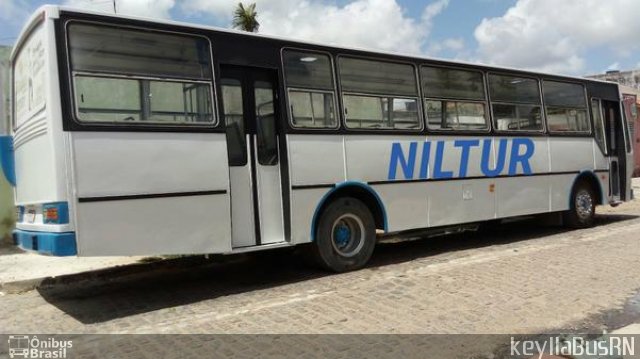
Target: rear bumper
{"type": "Point", "coordinates": [49, 243]}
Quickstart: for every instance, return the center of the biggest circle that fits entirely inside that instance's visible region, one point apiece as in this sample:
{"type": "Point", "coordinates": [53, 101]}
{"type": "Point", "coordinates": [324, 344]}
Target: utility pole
{"type": "Point", "coordinates": [115, 9]}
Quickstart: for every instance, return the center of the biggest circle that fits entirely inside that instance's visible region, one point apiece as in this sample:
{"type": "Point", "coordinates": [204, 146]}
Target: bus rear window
{"type": "Point", "coordinates": [140, 77]}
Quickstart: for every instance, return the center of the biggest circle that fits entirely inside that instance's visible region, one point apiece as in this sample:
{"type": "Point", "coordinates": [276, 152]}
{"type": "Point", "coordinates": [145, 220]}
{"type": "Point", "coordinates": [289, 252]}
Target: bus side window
{"type": "Point", "coordinates": [125, 76]}
{"type": "Point", "coordinates": [379, 94]}
{"type": "Point", "coordinates": [516, 103]}
{"type": "Point", "coordinates": [566, 107]}
{"type": "Point", "coordinates": [310, 89]}
{"type": "Point", "coordinates": [454, 99]}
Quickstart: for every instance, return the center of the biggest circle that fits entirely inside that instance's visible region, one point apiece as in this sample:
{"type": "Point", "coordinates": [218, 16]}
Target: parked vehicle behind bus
{"type": "Point", "coordinates": [140, 137]}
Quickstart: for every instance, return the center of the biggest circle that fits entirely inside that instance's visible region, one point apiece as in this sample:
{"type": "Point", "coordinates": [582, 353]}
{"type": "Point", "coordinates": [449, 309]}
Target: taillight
{"type": "Point", "coordinates": [55, 213]}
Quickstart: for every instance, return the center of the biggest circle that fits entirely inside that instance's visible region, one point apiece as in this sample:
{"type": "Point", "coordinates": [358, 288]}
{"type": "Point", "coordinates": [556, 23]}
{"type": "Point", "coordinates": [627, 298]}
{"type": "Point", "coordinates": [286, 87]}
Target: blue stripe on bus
{"type": "Point", "coordinates": [7, 160]}
{"type": "Point", "coordinates": [50, 243]}
{"type": "Point", "coordinates": [342, 185]}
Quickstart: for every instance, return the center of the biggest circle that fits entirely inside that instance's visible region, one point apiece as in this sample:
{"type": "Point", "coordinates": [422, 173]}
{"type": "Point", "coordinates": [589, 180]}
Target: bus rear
{"type": "Point", "coordinates": [36, 144]}
{"type": "Point", "coordinates": [114, 131]}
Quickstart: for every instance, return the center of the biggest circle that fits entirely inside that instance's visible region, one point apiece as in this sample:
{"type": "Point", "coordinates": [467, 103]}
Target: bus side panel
{"type": "Point", "coordinates": [304, 203]}
{"type": "Point", "coordinates": [581, 159]}
{"type": "Point", "coordinates": [367, 160]}
{"type": "Point", "coordinates": [151, 193]}
{"type": "Point", "coordinates": [524, 195]}
{"type": "Point", "coordinates": [457, 202]}
{"type": "Point", "coordinates": [316, 159]}
{"type": "Point", "coordinates": [313, 160]}
{"type": "Point", "coordinates": [460, 201]}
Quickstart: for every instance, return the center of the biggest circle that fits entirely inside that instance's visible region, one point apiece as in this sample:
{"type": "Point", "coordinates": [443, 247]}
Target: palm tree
{"type": "Point", "coordinates": [246, 18]}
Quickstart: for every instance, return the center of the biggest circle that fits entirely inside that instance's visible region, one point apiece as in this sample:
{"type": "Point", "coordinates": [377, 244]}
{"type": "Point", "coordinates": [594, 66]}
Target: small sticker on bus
{"type": "Point", "coordinates": [30, 215]}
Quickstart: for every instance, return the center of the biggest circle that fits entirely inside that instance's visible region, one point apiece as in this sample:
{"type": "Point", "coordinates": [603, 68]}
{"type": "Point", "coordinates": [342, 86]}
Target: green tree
{"type": "Point", "coordinates": [246, 18]}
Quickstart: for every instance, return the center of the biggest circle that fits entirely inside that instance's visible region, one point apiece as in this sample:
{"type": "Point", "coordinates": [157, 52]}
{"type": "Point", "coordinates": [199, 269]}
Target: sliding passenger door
{"type": "Point", "coordinates": [251, 113]}
{"type": "Point", "coordinates": [610, 134]}
{"type": "Point", "coordinates": [149, 155]}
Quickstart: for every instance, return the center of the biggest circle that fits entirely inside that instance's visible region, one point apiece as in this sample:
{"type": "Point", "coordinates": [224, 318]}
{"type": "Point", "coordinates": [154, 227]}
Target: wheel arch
{"type": "Point", "coordinates": [358, 190]}
{"type": "Point", "coordinates": [590, 178]}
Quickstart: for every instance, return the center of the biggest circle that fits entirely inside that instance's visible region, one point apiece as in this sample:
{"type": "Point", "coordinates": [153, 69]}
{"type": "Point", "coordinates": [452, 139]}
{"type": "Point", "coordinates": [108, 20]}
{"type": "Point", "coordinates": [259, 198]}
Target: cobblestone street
{"type": "Point", "coordinates": [519, 278]}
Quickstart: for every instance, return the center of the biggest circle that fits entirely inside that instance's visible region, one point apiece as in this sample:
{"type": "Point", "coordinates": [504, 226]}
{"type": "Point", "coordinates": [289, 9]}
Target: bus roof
{"type": "Point", "coordinates": [53, 11]}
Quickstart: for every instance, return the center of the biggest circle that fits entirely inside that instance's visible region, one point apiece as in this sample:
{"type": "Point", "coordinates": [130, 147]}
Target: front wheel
{"type": "Point", "coordinates": [345, 235]}
{"type": "Point", "coordinates": [583, 207]}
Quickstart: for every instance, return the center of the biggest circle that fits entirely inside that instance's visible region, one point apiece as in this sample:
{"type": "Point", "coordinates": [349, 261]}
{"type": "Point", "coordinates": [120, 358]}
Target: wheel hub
{"type": "Point", "coordinates": [584, 204]}
{"type": "Point", "coordinates": [342, 234]}
{"type": "Point", "coordinates": [347, 235]}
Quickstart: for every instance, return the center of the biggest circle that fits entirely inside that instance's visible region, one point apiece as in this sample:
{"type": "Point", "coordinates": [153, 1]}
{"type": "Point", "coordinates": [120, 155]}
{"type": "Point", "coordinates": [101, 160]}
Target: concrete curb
{"type": "Point", "coordinates": [160, 268]}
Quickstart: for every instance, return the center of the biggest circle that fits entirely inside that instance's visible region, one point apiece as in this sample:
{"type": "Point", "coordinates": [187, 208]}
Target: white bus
{"type": "Point", "coordinates": [141, 137]}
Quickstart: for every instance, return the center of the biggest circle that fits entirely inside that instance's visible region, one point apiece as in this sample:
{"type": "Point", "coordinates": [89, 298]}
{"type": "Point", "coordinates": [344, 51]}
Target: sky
{"type": "Point", "coordinates": [573, 37]}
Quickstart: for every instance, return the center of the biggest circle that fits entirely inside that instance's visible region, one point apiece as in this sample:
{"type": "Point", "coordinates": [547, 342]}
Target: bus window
{"type": "Point", "coordinates": [598, 124]}
{"type": "Point", "coordinates": [454, 99]}
{"type": "Point", "coordinates": [310, 89]}
{"type": "Point", "coordinates": [234, 121]}
{"type": "Point", "coordinates": [379, 95]}
{"type": "Point", "coordinates": [139, 77]}
{"type": "Point", "coordinates": [566, 107]}
{"type": "Point", "coordinates": [93, 105]}
{"type": "Point", "coordinates": [267, 138]}
{"type": "Point", "coordinates": [515, 102]}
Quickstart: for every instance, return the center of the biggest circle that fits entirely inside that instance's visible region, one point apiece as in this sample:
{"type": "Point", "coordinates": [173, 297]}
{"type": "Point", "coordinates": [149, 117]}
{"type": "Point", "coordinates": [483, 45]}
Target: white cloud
{"type": "Point", "coordinates": [13, 11]}
{"type": "Point", "coordinates": [551, 35]}
{"type": "Point", "coordinates": [455, 44]}
{"type": "Point", "coordinates": [614, 66]}
{"type": "Point", "coordinates": [221, 8]}
{"type": "Point", "coordinates": [375, 24]}
{"type": "Point", "coordinates": [145, 8]}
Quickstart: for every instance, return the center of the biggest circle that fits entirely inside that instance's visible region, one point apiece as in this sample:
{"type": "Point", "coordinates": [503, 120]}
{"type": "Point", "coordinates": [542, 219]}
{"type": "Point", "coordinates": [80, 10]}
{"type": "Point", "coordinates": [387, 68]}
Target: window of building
{"type": "Point", "coordinates": [515, 102]}
{"type": "Point", "coordinates": [310, 89]}
{"type": "Point", "coordinates": [379, 95]}
{"type": "Point", "coordinates": [566, 107]}
{"type": "Point", "coordinates": [140, 77]}
{"type": "Point", "coordinates": [454, 99]}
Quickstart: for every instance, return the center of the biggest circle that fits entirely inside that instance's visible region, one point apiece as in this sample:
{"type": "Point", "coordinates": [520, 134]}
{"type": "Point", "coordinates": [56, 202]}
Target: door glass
{"type": "Point", "coordinates": [612, 130]}
{"type": "Point", "coordinates": [234, 122]}
{"type": "Point", "coordinates": [266, 124]}
{"type": "Point", "coordinates": [598, 124]}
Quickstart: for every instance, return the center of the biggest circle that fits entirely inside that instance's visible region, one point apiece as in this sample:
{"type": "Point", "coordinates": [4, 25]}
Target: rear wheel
{"type": "Point", "coordinates": [345, 235]}
{"type": "Point", "coordinates": [583, 207]}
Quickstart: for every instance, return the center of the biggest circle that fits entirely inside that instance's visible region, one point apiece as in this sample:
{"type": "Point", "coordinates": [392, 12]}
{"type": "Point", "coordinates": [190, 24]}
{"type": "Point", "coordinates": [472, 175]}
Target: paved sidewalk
{"type": "Point", "coordinates": [22, 271]}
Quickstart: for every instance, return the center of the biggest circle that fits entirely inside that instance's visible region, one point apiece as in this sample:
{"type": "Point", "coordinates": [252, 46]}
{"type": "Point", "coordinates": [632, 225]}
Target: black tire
{"type": "Point", "coordinates": [345, 235]}
{"type": "Point", "coordinates": [582, 207]}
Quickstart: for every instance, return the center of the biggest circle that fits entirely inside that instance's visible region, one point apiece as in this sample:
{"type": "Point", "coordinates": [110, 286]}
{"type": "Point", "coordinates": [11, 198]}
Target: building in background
{"type": "Point", "coordinates": [628, 78]}
{"type": "Point", "coordinates": [6, 194]}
